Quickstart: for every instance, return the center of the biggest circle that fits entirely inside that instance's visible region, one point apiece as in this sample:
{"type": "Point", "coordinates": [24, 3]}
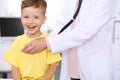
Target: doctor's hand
{"type": "Point", "coordinates": [35, 46]}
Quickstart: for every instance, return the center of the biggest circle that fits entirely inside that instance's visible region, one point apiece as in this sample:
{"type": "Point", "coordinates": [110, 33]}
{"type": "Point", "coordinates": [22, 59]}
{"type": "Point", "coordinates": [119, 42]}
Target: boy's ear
{"type": "Point", "coordinates": [44, 19]}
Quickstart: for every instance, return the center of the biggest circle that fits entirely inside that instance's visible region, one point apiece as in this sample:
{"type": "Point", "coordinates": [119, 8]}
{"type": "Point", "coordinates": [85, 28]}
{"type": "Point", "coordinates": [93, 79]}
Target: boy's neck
{"type": "Point", "coordinates": [33, 35]}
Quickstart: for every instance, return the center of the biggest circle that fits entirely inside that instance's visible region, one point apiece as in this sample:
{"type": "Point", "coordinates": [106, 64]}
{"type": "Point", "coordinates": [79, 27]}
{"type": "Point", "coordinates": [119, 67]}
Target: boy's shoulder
{"type": "Point", "coordinates": [20, 37]}
{"type": "Point", "coordinates": [43, 35]}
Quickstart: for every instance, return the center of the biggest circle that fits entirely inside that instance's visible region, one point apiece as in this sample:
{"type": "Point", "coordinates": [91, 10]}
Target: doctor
{"type": "Point", "coordinates": [88, 45]}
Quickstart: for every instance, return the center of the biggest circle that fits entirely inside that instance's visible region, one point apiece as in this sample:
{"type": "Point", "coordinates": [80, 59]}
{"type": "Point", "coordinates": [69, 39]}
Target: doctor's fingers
{"type": "Point", "coordinates": [33, 50]}
{"type": "Point", "coordinates": [28, 47]}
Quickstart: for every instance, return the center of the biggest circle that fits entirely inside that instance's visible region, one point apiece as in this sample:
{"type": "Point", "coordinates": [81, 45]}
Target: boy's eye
{"type": "Point", "coordinates": [26, 17]}
{"type": "Point", "coordinates": [36, 17]}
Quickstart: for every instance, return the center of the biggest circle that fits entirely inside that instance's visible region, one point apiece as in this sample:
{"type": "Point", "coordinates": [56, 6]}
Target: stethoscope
{"type": "Point", "coordinates": [73, 18]}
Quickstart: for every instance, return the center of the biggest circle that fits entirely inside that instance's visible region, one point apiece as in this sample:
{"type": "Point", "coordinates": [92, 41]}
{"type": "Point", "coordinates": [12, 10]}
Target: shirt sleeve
{"type": "Point", "coordinates": [52, 58]}
{"type": "Point", "coordinates": [90, 22]}
{"type": "Point", "coordinates": [11, 55]}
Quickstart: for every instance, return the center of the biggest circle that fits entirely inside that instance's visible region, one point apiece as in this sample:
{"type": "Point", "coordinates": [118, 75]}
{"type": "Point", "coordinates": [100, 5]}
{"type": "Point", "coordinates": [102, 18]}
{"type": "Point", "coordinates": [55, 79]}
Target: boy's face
{"type": "Point", "coordinates": [32, 19]}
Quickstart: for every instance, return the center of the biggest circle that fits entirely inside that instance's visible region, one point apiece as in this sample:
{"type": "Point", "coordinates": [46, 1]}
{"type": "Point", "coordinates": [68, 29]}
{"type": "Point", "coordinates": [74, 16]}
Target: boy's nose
{"type": "Point", "coordinates": [31, 20]}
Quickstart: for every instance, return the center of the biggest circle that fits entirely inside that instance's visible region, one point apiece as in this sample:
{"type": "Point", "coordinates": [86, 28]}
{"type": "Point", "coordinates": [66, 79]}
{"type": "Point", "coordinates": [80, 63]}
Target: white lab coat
{"type": "Point", "coordinates": [92, 37]}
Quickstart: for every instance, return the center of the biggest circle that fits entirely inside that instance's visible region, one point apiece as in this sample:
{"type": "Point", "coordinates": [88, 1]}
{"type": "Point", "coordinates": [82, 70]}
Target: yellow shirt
{"type": "Point", "coordinates": [30, 65]}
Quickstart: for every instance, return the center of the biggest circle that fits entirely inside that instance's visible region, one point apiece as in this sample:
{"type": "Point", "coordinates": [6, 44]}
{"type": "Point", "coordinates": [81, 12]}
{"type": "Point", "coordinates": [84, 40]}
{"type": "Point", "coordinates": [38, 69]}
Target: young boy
{"type": "Point", "coordinates": [40, 66]}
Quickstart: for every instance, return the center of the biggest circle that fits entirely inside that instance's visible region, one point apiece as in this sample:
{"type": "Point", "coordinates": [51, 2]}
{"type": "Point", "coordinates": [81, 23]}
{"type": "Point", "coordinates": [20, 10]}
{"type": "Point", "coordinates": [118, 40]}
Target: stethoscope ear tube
{"type": "Point", "coordinates": [74, 17]}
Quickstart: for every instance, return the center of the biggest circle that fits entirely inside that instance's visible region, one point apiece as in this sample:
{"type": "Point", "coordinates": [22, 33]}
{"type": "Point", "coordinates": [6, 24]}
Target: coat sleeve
{"type": "Point", "coordinates": [93, 16]}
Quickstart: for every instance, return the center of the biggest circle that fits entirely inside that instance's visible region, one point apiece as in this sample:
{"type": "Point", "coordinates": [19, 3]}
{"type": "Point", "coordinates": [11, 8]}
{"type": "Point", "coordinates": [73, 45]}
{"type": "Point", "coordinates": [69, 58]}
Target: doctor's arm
{"type": "Point", "coordinates": [91, 20]}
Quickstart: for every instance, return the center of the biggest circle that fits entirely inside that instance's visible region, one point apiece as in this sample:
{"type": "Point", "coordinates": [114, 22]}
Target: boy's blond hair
{"type": "Point", "coordinates": [35, 3]}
